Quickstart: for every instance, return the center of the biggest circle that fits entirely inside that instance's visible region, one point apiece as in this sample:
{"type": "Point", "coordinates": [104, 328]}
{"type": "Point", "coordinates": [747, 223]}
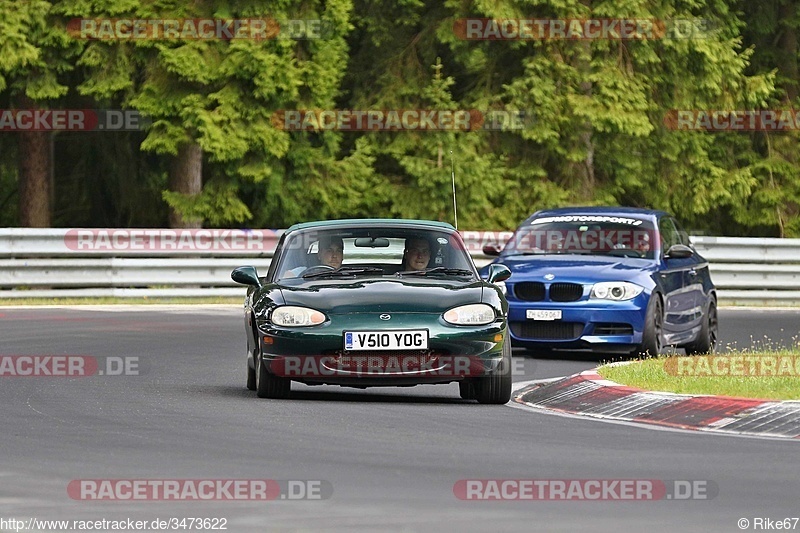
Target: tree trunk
{"type": "Point", "coordinates": [34, 178]}
{"type": "Point", "coordinates": [787, 62]}
{"type": "Point", "coordinates": [589, 182]}
{"type": "Point", "coordinates": [587, 135]}
{"type": "Point", "coordinates": [186, 177]}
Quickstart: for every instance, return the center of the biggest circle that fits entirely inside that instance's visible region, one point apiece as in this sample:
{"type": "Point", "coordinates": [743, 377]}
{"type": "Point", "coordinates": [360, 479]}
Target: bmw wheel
{"type": "Point", "coordinates": [707, 339]}
{"type": "Point", "coordinates": [653, 335]}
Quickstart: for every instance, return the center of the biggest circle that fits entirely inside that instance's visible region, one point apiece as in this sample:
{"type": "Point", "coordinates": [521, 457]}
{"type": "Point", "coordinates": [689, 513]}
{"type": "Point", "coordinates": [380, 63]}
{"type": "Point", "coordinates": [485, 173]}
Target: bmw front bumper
{"type": "Point", "coordinates": [597, 325]}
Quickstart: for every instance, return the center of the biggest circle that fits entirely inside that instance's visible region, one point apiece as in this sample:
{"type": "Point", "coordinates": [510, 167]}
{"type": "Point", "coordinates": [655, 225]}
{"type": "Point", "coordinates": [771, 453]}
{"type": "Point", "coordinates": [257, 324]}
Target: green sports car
{"type": "Point", "coordinates": [374, 302]}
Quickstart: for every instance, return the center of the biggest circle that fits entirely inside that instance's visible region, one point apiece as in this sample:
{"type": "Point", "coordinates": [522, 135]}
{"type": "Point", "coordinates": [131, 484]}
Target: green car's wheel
{"type": "Point", "coordinates": [269, 385]}
{"type": "Point", "coordinates": [251, 378]}
{"type": "Point", "coordinates": [251, 372]}
{"type": "Point", "coordinates": [466, 389]}
{"type": "Point", "coordinates": [496, 388]}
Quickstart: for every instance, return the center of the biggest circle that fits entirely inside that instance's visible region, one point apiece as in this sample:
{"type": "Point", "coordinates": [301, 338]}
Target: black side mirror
{"type": "Point", "coordinates": [492, 249]}
{"type": "Point", "coordinates": [679, 251]}
{"type": "Point", "coordinates": [498, 273]}
{"type": "Point", "coordinates": [246, 275]}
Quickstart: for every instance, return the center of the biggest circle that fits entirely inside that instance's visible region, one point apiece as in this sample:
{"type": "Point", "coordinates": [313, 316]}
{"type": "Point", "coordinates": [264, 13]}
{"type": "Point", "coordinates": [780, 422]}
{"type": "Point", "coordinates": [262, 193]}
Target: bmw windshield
{"type": "Point", "coordinates": [584, 235]}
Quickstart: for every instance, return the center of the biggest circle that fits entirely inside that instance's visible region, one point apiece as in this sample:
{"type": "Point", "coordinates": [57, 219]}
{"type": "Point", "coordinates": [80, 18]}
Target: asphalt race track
{"type": "Point", "coordinates": [390, 456]}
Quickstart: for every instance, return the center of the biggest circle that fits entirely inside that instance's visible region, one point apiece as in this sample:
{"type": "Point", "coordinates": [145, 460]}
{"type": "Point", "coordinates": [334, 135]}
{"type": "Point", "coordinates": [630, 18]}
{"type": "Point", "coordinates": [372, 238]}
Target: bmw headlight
{"type": "Point", "coordinates": [470, 315]}
{"type": "Point", "coordinates": [293, 316]}
{"type": "Point", "coordinates": [615, 290]}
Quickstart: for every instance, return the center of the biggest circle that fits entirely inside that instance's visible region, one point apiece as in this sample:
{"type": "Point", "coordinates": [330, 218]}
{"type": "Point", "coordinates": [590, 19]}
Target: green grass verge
{"type": "Point", "coordinates": [120, 301]}
{"type": "Point", "coordinates": [772, 375]}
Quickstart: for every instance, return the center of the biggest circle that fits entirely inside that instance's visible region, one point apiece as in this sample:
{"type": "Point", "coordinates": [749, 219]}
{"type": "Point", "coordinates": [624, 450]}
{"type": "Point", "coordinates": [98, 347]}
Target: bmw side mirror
{"type": "Point", "coordinates": [679, 251]}
{"type": "Point", "coordinates": [498, 273]}
{"type": "Point", "coordinates": [492, 249]}
{"type": "Point", "coordinates": [246, 275]}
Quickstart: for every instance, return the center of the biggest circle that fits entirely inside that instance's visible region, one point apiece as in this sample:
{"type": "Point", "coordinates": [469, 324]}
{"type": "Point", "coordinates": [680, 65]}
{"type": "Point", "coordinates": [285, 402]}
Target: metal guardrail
{"type": "Point", "coordinates": [51, 263]}
{"type": "Point", "coordinates": [119, 242]}
{"type": "Point", "coordinates": [763, 271]}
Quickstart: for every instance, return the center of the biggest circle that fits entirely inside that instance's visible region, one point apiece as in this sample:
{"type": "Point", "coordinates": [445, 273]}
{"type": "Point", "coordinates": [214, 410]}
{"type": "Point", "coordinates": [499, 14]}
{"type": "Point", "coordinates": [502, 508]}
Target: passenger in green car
{"type": "Point", "coordinates": [417, 254]}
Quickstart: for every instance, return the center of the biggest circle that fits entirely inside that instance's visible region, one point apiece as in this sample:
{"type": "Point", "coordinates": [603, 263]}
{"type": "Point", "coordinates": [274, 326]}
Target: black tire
{"type": "Point", "coordinates": [496, 388]}
{"type": "Point", "coordinates": [707, 339]}
{"type": "Point", "coordinates": [251, 372]}
{"type": "Point", "coordinates": [466, 389]}
{"type": "Point", "coordinates": [251, 378]}
{"type": "Point", "coordinates": [269, 385]}
{"type": "Point", "coordinates": [653, 335]}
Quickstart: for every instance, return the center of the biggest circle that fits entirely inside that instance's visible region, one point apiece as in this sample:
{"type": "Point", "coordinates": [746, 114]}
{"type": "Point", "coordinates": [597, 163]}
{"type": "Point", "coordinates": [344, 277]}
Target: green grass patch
{"type": "Point", "coordinates": [5, 302]}
{"type": "Point", "coordinates": [763, 374]}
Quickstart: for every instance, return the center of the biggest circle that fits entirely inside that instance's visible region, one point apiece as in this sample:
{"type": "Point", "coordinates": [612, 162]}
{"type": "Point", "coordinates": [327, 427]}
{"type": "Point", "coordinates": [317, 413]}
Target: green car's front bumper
{"type": "Point", "coordinates": [316, 354]}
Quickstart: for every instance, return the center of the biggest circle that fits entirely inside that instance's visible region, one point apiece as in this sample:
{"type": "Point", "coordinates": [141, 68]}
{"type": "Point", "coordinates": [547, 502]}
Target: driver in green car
{"type": "Point", "coordinates": [330, 252]}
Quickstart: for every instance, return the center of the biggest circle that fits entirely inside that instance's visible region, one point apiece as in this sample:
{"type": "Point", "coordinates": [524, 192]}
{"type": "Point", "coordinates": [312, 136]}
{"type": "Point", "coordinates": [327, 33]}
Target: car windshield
{"type": "Point", "coordinates": [584, 235]}
{"type": "Point", "coordinates": [344, 253]}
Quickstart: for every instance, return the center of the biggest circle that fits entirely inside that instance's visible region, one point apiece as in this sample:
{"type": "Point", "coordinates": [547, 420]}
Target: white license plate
{"type": "Point", "coordinates": [401, 339]}
{"type": "Point", "coordinates": [543, 314]}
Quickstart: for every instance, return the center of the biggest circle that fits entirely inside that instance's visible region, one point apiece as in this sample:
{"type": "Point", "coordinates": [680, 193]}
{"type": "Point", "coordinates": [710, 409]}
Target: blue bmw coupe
{"type": "Point", "coordinates": [607, 279]}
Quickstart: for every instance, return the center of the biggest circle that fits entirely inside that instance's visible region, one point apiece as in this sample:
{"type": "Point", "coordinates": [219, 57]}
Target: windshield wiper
{"type": "Point", "coordinates": [437, 270]}
{"type": "Point", "coordinates": [344, 271]}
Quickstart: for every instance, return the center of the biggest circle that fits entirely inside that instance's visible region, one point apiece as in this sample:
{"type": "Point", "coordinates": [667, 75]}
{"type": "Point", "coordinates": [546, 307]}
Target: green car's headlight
{"type": "Point", "coordinates": [293, 316]}
{"type": "Point", "coordinates": [470, 315]}
{"type": "Point", "coordinates": [615, 290]}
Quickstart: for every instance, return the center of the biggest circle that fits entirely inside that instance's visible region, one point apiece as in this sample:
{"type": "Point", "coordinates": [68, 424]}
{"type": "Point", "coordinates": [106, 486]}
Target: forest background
{"type": "Point", "coordinates": [596, 128]}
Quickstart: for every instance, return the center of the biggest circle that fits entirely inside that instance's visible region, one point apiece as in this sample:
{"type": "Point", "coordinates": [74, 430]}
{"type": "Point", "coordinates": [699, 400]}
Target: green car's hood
{"type": "Point", "coordinates": [423, 295]}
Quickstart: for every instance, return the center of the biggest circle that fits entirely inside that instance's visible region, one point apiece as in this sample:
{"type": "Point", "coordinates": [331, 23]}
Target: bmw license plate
{"type": "Point", "coordinates": [405, 339]}
{"type": "Point", "coordinates": [543, 314]}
